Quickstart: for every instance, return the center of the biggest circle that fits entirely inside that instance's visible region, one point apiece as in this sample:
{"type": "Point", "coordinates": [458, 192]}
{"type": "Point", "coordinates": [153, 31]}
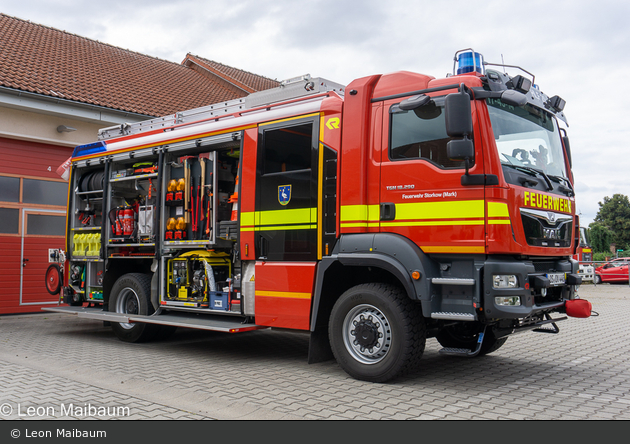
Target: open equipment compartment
{"type": "Point", "coordinates": [200, 194]}
{"type": "Point", "coordinates": [131, 222]}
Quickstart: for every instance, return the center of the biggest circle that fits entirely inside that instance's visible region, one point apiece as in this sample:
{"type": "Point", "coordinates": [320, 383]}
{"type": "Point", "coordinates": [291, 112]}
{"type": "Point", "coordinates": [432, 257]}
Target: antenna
{"type": "Point", "coordinates": [503, 63]}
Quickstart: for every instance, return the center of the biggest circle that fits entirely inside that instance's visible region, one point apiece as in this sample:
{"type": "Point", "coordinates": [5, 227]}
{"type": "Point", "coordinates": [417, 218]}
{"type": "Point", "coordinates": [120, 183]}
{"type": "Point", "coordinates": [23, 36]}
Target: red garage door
{"type": "Point", "coordinates": [42, 230]}
{"type": "Point", "coordinates": [32, 218]}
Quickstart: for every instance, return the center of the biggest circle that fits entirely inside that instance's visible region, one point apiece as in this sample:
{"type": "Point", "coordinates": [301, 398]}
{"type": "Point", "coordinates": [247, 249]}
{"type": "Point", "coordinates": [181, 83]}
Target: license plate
{"type": "Point", "coordinates": [555, 279]}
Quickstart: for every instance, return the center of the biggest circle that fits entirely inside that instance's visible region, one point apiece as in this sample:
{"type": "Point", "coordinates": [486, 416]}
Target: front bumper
{"type": "Point", "coordinates": [534, 290]}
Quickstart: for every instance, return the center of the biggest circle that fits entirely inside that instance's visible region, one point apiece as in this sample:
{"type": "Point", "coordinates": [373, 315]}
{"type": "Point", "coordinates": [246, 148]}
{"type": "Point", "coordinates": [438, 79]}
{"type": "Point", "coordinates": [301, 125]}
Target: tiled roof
{"type": "Point", "coordinates": [47, 61]}
{"type": "Point", "coordinates": [242, 79]}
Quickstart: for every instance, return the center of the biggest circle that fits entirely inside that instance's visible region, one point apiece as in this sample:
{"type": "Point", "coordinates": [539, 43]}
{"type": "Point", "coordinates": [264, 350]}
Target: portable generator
{"type": "Point", "coordinates": [198, 279]}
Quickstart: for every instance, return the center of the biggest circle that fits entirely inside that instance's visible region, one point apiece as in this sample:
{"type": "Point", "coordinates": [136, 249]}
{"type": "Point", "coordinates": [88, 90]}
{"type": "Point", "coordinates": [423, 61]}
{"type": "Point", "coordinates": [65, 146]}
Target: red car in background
{"type": "Point", "coordinates": [613, 271]}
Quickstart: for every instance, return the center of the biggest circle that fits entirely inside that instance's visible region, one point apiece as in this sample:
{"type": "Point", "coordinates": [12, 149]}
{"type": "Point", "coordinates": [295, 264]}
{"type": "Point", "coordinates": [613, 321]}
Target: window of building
{"type": "Point", "coordinates": [9, 189]}
{"type": "Point", "coordinates": [45, 192]}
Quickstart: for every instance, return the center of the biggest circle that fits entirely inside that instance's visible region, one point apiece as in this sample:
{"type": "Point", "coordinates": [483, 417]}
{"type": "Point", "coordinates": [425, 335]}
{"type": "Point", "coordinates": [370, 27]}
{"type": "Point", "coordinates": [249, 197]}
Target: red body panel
{"type": "Point", "coordinates": [357, 128]}
{"type": "Point", "coordinates": [248, 193]}
{"type": "Point", "coordinates": [283, 294]}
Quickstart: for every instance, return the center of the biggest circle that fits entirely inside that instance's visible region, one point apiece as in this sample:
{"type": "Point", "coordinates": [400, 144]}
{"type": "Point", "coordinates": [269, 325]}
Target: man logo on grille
{"type": "Point", "coordinates": [284, 194]}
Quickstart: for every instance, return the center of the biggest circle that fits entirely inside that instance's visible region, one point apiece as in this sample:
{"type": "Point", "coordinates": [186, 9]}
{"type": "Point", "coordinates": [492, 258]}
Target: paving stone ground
{"type": "Point", "coordinates": [57, 366]}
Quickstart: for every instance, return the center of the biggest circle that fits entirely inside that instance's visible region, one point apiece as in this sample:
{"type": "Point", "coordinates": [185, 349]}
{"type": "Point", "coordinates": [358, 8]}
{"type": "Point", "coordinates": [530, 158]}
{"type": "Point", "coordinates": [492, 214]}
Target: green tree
{"type": "Point", "coordinates": [600, 237]}
{"type": "Point", "coordinates": [614, 214]}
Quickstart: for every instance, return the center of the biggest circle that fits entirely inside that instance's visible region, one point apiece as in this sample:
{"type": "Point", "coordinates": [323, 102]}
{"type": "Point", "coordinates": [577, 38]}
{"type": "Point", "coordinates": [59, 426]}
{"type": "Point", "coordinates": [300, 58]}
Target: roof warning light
{"type": "Point", "coordinates": [469, 61]}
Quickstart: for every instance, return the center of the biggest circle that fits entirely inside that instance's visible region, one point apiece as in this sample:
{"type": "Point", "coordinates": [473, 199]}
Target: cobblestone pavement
{"type": "Point", "coordinates": [55, 366]}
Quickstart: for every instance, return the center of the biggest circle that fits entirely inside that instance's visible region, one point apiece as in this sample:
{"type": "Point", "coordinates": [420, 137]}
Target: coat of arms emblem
{"type": "Point", "coordinates": [284, 194]}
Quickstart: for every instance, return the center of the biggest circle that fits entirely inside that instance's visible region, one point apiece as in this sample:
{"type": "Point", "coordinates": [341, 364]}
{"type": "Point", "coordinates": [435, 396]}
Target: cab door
{"type": "Point", "coordinates": [286, 191]}
{"type": "Point", "coordinates": [286, 221]}
{"type": "Point", "coordinates": [422, 197]}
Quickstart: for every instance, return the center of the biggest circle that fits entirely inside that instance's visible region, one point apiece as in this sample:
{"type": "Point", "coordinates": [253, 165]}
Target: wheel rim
{"type": "Point", "coordinates": [367, 334]}
{"type": "Point", "coordinates": [127, 303]}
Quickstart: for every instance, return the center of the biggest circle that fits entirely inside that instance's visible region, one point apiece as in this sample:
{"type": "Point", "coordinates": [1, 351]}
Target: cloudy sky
{"type": "Point", "coordinates": [579, 50]}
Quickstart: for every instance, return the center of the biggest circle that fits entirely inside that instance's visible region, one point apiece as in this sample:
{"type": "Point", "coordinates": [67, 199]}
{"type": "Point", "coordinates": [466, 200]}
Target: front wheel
{"type": "Point", "coordinates": [376, 332]}
{"type": "Point", "coordinates": [131, 294]}
{"type": "Point", "coordinates": [597, 279]}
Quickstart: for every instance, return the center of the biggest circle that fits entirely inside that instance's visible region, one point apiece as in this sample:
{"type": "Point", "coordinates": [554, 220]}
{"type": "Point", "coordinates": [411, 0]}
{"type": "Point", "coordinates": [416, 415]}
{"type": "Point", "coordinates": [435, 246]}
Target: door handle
{"type": "Point", "coordinates": [24, 261]}
{"type": "Point", "coordinates": [388, 211]}
{"type": "Point", "coordinates": [263, 246]}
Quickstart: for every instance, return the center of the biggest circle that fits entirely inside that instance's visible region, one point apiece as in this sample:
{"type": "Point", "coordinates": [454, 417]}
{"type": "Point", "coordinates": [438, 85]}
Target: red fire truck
{"type": "Point", "coordinates": [374, 216]}
{"type": "Point", "coordinates": [584, 256]}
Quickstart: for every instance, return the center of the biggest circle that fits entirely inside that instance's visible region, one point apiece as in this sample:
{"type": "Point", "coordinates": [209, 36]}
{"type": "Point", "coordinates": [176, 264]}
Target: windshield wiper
{"type": "Point", "coordinates": [533, 172]}
{"type": "Point", "coordinates": [568, 191]}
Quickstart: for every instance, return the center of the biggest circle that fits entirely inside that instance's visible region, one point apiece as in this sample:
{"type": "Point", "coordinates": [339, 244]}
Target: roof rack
{"type": "Point", "coordinates": [297, 87]}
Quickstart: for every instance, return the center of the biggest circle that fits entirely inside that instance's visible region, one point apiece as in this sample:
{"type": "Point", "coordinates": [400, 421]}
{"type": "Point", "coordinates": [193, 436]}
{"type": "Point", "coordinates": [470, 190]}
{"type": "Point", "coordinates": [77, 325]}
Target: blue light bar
{"type": "Point", "coordinates": [91, 148]}
{"type": "Point", "coordinates": [466, 63]}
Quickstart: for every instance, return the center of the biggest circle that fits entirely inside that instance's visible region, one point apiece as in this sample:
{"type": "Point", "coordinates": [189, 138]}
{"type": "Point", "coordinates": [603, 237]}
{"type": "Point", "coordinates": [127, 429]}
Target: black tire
{"type": "Point", "coordinates": [598, 279]}
{"type": "Point", "coordinates": [376, 332]}
{"type": "Point", "coordinates": [54, 279]}
{"type": "Point", "coordinates": [465, 335]}
{"type": "Point", "coordinates": [131, 294]}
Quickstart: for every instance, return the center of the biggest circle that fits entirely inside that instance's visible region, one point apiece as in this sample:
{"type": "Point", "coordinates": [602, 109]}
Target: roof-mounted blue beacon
{"type": "Point", "coordinates": [467, 60]}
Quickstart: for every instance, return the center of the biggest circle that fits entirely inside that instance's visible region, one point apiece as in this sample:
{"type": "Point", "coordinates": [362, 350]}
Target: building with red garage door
{"type": "Point", "coordinates": [56, 91]}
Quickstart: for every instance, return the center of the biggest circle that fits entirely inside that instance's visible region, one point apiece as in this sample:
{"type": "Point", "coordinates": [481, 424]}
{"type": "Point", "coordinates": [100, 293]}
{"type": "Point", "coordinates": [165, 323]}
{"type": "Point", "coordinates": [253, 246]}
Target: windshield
{"type": "Point", "coordinates": [527, 137]}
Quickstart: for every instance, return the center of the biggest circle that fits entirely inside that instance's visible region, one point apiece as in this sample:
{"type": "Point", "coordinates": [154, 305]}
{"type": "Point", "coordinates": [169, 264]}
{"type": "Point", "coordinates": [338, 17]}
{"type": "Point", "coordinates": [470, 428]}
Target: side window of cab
{"type": "Point", "coordinates": [421, 134]}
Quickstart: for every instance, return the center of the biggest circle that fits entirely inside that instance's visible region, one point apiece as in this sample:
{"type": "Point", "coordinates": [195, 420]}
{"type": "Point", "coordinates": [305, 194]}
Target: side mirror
{"type": "Point", "coordinates": [459, 150]}
{"type": "Point", "coordinates": [457, 115]}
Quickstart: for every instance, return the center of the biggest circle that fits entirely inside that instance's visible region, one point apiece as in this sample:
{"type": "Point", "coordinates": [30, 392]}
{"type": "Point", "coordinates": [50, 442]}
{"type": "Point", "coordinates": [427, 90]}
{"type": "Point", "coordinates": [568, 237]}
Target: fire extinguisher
{"type": "Point", "coordinates": [128, 221]}
{"type": "Point", "coordinates": [119, 221]}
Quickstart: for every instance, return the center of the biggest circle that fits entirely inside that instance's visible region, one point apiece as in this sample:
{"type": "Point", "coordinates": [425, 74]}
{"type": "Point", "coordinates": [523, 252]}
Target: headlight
{"type": "Point", "coordinates": [504, 281]}
{"type": "Point", "coordinates": [507, 300]}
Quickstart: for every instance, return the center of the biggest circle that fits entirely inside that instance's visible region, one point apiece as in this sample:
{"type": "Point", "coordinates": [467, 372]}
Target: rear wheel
{"type": "Point", "coordinates": [376, 332]}
{"type": "Point", "coordinates": [131, 294]}
{"type": "Point", "coordinates": [465, 335]}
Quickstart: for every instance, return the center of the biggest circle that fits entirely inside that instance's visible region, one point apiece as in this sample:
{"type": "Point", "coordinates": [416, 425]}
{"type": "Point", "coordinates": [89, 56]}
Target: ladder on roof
{"type": "Point", "coordinates": [293, 88]}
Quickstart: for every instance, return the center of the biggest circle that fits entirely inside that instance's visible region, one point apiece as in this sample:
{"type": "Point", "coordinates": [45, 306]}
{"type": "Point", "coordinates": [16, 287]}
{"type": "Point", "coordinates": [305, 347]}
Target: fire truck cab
{"type": "Point", "coordinates": [374, 216]}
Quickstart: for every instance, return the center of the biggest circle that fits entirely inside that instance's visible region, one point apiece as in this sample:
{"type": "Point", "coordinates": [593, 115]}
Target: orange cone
{"type": "Point", "coordinates": [234, 198]}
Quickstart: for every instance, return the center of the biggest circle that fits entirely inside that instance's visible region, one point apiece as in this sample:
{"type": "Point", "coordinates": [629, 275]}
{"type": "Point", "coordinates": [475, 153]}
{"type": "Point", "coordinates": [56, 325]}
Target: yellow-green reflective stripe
{"type": "Point", "coordinates": [359, 212]}
{"type": "Point", "coordinates": [247, 219]}
{"type": "Point", "coordinates": [295, 219]}
{"type": "Point", "coordinates": [498, 209]}
{"type": "Point", "coordinates": [440, 210]}
{"type": "Point", "coordinates": [280, 227]}
{"type": "Point", "coordinates": [498, 222]}
{"type": "Point", "coordinates": [359, 224]}
{"type": "Point", "coordinates": [282, 217]}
